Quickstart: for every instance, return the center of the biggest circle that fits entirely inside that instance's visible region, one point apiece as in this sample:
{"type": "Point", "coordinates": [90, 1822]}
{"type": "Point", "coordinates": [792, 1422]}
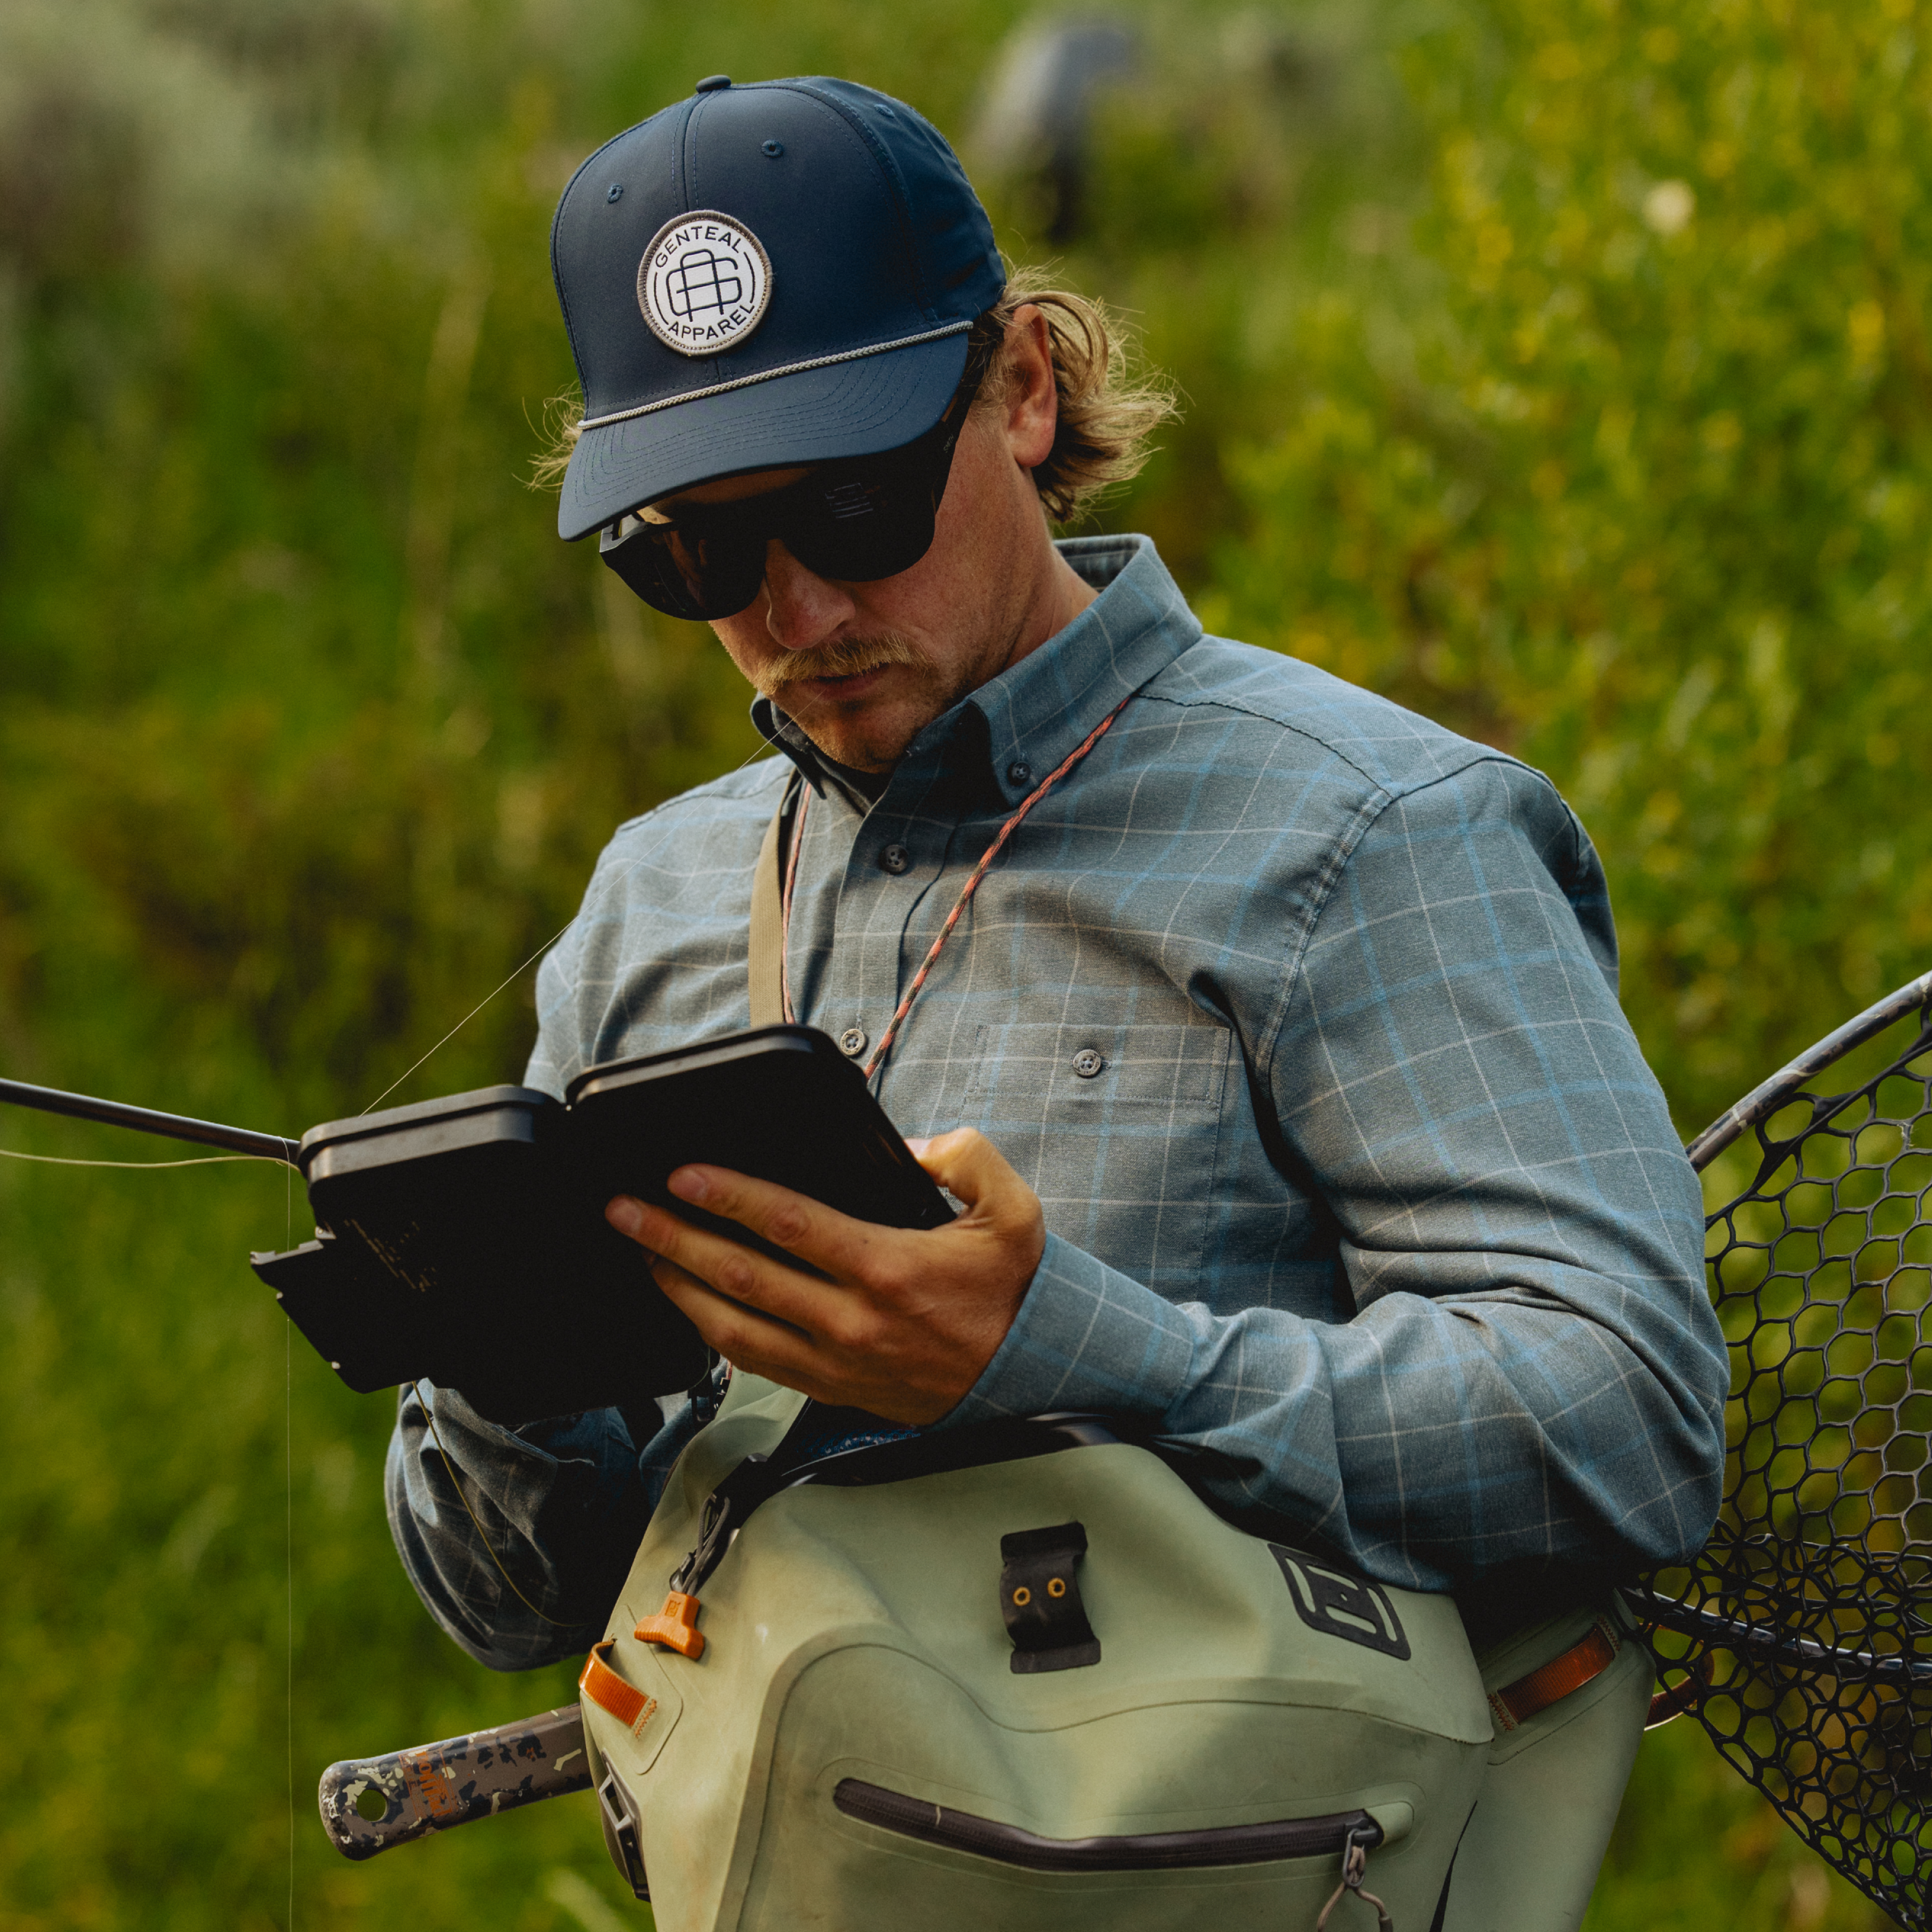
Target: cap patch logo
{"type": "Point", "coordinates": [704, 282]}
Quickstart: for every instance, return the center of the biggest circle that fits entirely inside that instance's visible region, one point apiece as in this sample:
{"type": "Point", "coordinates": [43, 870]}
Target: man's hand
{"type": "Point", "coordinates": [909, 1319]}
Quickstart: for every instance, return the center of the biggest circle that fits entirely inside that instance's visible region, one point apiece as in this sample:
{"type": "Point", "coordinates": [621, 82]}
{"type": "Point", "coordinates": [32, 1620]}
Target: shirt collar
{"type": "Point", "coordinates": [1023, 723]}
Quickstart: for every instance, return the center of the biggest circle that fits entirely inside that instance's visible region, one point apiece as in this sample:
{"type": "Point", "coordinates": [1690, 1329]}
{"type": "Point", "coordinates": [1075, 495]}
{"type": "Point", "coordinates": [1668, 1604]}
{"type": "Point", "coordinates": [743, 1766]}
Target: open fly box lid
{"type": "Point", "coordinates": [461, 1249]}
{"type": "Point", "coordinates": [489, 1117]}
{"type": "Point", "coordinates": [363, 1292]}
{"type": "Point", "coordinates": [446, 1194]}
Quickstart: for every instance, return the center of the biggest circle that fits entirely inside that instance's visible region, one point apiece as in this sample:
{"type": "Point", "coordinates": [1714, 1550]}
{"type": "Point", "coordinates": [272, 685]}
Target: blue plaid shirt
{"type": "Point", "coordinates": [1299, 1014]}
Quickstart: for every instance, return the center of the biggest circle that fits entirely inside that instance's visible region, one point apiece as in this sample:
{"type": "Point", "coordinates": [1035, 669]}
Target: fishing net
{"type": "Point", "coordinates": [1801, 1637]}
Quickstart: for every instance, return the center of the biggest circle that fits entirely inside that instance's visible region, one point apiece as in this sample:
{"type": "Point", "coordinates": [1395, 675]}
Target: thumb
{"type": "Point", "coordinates": [969, 1168]}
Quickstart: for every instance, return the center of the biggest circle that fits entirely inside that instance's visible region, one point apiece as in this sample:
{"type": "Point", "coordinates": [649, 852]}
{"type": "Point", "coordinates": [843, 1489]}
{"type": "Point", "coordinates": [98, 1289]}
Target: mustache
{"type": "Point", "coordinates": [846, 657]}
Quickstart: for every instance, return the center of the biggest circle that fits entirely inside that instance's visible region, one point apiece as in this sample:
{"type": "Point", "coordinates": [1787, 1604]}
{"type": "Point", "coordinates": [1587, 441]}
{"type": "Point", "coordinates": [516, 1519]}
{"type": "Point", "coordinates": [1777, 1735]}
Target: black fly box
{"type": "Point", "coordinates": [463, 1240]}
{"type": "Point", "coordinates": [457, 1244]}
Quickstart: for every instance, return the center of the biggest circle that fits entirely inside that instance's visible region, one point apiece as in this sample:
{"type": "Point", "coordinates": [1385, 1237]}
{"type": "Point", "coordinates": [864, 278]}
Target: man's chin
{"type": "Point", "coordinates": [860, 742]}
{"type": "Point", "coordinates": [860, 722]}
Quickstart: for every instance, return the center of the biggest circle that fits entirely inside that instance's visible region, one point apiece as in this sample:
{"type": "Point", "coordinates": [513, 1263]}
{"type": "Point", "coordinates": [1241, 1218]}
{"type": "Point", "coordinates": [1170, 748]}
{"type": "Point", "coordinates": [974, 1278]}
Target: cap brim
{"type": "Point", "coordinates": [817, 415]}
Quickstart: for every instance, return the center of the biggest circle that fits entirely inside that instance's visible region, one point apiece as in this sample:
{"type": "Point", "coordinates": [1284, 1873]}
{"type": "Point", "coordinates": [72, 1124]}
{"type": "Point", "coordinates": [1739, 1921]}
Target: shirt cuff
{"type": "Point", "coordinates": [1086, 1337]}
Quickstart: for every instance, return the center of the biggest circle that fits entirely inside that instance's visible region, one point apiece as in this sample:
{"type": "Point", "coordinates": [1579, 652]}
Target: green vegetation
{"type": "Point", "coordinates": [1562, 369]}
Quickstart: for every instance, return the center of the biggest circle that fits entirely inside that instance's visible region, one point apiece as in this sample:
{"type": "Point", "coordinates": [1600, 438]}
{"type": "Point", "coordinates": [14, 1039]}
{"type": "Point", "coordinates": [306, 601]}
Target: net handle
{"type": "Point", "coordinates": [1762, 1102]}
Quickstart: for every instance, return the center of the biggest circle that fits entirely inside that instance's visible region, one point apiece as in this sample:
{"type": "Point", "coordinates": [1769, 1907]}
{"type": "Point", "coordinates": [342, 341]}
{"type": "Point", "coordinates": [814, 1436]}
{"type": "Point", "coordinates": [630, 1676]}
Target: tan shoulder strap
{"type": "Point", "coordinates": [767, 960]}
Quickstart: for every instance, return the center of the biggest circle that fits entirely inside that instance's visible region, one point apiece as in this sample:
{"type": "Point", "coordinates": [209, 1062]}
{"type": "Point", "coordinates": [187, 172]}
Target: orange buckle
{"type": "Point", "coordinates": [609, 1692]}
{"type": "Point", "coordinates": [675, 1627]}
{"type": "Point", "coordinates": [1588, 1657]}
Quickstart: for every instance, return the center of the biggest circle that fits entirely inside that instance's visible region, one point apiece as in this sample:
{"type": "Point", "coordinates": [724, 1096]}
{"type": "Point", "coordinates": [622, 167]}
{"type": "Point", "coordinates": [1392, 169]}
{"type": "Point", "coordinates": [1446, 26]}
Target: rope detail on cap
{"type": "Point", "coordinates": [772, 375]}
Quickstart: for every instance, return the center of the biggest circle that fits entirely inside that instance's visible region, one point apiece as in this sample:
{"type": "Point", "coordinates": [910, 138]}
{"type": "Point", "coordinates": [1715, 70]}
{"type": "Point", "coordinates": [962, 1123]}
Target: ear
{"type": "Point", "coordinates": [1033, 412]}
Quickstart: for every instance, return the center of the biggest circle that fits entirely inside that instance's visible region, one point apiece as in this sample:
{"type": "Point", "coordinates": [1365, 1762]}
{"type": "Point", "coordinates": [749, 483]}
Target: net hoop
{"type": "Point", "coordinates": [1800, 1638]}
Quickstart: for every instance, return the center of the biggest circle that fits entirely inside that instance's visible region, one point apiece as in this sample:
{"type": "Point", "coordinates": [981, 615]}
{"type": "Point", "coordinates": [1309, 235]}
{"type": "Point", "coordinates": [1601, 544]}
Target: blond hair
{"type": "Point", "coordinates": [1108, 409]}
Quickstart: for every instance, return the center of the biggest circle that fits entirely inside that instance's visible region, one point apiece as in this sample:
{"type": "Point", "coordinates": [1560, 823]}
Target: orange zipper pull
{"type": "Point", "coordinates": [675, 1627]}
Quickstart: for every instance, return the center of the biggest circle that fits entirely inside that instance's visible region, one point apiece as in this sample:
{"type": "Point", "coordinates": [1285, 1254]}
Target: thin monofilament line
{"type": "Point", "coordinates": [622, 878]}
{"type": "Point", "coordinates": [195, 1160]}
{"type": "Point", "coordinates": [471, 1014]}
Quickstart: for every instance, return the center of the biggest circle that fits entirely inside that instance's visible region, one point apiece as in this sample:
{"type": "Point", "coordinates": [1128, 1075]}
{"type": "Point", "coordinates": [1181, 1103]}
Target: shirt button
{"type": "Point", "coordinates": [1019, 773]}
{"type": "Point", "coordinates": [895, 858]}
{"type": "Point", "coordinates": [852, 1042]}
{"type": "Point", "coordinates": [1086, 1063]}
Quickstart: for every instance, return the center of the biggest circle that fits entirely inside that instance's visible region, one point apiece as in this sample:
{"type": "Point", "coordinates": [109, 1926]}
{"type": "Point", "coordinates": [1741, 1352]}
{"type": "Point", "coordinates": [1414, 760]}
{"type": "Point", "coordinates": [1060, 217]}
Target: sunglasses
{"type": "Point", "coordinates": [853, 521]}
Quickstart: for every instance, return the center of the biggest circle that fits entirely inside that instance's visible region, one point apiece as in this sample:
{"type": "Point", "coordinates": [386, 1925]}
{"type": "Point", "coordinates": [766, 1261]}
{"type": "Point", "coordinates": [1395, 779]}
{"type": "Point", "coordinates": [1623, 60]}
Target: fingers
{"type": "Point", "coordinates": [734, 1272]}
{"type": "Point", "coordinates": [899, 1321]}
{"type": "Point", "coordinates": [750, 1341]}
{"type": "Point", "coordinates": [1002, 1213]}
{"type": "Point", "coordinates": [831, 1242]}
{"type": "Point", "coordinates": [736, 1330]}
{"type": "Point", "coordinates": [753, 1299]}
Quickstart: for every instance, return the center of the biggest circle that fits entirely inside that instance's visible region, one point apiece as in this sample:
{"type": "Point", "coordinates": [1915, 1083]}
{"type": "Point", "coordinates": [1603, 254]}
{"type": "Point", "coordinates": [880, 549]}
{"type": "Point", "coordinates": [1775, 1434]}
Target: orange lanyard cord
{"type": "Point", "coordinates": [971, 886]}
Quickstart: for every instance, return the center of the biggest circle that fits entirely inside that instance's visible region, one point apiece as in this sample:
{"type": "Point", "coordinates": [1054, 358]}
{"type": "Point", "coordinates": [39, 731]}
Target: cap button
{"type": "Point", "coordinates": [712, 83]}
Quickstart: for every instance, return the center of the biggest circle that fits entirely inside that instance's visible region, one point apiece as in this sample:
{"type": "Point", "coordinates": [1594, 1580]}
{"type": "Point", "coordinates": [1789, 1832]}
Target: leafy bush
{"type": "Point", "coordinates": [1640, 489]}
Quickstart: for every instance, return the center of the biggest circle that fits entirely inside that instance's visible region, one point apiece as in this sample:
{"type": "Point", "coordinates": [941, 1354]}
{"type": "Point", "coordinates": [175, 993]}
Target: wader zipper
{"type": "Point", "coordinates": [1144, 1851]}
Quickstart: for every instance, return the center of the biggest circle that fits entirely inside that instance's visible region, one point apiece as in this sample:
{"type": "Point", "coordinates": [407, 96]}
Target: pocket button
{"type": "Point", "coordinates": [1086, 1063]}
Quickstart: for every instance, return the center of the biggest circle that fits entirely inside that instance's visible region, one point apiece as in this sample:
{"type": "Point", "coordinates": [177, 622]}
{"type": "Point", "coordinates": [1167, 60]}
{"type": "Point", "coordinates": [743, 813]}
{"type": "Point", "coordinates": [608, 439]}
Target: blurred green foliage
{"type": "Point", "coordinates": [1560, 370]}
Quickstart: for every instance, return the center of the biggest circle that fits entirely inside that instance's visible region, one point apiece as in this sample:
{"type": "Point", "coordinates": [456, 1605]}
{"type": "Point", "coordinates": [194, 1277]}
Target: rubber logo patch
{"type": "Point", "coordinates": [704, 283]}
{"type": "Point", "coordinates": [1339, 1603]}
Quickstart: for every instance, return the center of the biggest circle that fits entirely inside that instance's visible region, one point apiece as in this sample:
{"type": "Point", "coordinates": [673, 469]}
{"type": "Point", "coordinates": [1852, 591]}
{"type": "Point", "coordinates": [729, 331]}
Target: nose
{"type": "Point", "coordinates": [802, 609]}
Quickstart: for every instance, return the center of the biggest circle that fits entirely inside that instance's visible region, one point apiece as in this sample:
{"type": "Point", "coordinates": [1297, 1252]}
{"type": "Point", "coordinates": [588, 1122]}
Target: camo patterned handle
{"type": "Point", "coordinates": [435, 1787]}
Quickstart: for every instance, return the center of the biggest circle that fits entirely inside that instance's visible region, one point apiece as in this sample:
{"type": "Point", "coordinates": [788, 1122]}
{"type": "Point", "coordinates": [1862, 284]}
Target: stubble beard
{"type": "Point", "coordinates": [843, 739]}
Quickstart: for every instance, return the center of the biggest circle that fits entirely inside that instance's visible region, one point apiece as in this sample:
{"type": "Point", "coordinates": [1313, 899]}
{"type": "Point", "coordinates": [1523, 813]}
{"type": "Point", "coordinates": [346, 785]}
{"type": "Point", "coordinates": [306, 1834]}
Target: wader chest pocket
{"type": "Point", "coordinates": [1144, 1851]}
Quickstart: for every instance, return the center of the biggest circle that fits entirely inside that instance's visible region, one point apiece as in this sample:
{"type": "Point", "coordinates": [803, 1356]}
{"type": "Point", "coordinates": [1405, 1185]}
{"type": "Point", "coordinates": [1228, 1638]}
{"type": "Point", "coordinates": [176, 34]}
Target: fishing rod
{"type": "Point", "coordinates": [149, 1120]}
{"type": "Point", "coordinates": [421, 1195]}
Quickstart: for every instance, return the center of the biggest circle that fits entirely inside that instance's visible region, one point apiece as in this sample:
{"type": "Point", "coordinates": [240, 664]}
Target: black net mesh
{"type": "Point", "coordinates": [1801, 1638]}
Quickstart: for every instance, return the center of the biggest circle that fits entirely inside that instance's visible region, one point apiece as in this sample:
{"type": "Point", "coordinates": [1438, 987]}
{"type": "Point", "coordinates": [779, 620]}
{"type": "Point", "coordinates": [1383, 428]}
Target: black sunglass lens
{"type": "Point", "coordinates": [854, 522]}
{"type": "Point", "coordinates": [861, 548]}
{"type": "Point", "coordinates": [874, 519]}
{"type": "Point", "coordinates": [685, 573]}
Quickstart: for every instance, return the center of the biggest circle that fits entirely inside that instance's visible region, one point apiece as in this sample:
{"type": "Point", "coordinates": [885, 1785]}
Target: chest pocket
{"type": "Point", "coordinates": [1117, 1129]}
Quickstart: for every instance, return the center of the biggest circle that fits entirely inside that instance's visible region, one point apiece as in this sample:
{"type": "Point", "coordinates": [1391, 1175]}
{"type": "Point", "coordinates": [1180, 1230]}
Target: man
{"type": "Point", "coordinates": [1275, 1060]}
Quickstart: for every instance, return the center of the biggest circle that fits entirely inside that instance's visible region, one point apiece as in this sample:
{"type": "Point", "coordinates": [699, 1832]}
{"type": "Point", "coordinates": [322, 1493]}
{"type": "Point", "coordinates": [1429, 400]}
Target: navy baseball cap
{"type": "Point", "coordinates": [762, 276]}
